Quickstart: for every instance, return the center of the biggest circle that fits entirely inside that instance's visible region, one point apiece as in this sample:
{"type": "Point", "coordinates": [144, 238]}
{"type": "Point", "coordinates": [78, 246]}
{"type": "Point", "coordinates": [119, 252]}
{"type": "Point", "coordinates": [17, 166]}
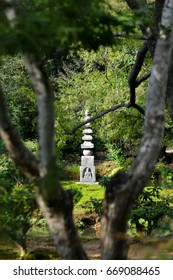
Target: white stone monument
{"type": "Point", "coordinates": [87, 168]}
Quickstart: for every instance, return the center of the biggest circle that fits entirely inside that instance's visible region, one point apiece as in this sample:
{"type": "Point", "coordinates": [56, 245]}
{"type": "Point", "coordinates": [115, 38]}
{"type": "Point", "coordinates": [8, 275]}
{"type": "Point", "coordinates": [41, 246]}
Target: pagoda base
{"type": "Point", "coordinates": [87, 170]}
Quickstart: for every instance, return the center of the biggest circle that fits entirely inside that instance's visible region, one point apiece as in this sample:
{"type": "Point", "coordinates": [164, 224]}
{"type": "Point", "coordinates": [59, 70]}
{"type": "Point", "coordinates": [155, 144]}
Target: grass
{"type": "Point", "coordinates": [8, 249]}
{"type": "Point", "coordinates": [87, 190]}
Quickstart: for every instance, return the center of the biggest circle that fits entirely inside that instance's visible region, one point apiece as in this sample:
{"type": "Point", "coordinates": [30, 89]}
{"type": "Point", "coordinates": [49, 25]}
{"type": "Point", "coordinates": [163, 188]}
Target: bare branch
{"type": "Point", "coordinates": [139, 108]}
{"type": "Point", "coordinates": [135, 71]}
{"type": "Point", "coordinates": [100, 115]}
{"type": "Point", "coordinates": [112, 109]}
{"type": "Point", "coordinates": [143, 78]}
{"type": "Point", "coordinates": [130, 36]}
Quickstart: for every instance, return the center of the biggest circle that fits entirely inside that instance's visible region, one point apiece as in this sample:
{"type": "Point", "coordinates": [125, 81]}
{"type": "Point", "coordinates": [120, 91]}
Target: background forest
{"type": "Point", "coordinates": [81, 78]}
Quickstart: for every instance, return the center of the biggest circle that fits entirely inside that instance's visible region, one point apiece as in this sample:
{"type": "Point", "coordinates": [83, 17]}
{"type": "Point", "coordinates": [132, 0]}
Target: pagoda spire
{"type": "Point", "coordinates": [87, 168]}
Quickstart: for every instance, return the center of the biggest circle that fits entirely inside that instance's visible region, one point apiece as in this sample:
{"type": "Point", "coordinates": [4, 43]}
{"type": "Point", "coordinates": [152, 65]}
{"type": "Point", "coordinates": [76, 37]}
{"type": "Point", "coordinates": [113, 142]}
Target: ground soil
{"type": "Point", "coordinates": [42, 247]}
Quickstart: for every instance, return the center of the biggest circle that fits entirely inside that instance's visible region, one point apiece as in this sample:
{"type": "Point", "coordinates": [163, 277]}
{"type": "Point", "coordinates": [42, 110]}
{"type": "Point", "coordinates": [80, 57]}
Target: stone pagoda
{"type": "Point", "coordinates": [87, 168]}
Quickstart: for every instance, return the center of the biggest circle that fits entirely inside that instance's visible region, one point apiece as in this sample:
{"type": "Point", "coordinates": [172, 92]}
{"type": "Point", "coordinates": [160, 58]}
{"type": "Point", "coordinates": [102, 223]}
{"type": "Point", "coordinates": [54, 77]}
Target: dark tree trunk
{"type": "Point", "coordinates": [116, 208]}
{"type": "Point", "coordinates": [124, 188]}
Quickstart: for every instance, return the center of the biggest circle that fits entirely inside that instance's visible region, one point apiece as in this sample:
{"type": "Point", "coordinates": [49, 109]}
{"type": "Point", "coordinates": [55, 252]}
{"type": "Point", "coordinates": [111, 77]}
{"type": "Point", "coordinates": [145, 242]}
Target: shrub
{"type": "Point", "coordinates": [115, 153]}
{"type": "Point", "coordinates": [150, 209]}
{"type": "Point", "coordinates": [17, 209]}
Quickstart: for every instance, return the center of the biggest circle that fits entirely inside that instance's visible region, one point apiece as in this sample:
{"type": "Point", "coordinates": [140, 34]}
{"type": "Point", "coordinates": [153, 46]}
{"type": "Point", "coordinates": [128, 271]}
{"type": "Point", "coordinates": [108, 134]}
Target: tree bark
{"type": "Point", "coordinates": [124, 188]}
{"type": "Point", "coordinates": [55, 202]}
{"type": "Point", "coordinates": [45, 101]}
{"type": "Point", "coordinates": [58, 213]}
{"type": "Point", "coordinates": [23, 158]}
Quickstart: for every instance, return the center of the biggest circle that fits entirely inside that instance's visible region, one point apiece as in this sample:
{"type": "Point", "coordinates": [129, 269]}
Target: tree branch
{"type": "Point", "coordinates": [112, 109]}
{"type": "Point", "coordinates": [130, 36]}
{"type": "Point", "coordinates": [24, 159]}
{"type": "Point", "coordinates": [45, 101]}
{"type": "Point", "coordinates": [132, 80]}
{"type": "Point", "coordinates": [143, 78]}
{"type": "Point", "coordinates": [136, 4]}
{"type": "Point", "coordinates": [133, 84]}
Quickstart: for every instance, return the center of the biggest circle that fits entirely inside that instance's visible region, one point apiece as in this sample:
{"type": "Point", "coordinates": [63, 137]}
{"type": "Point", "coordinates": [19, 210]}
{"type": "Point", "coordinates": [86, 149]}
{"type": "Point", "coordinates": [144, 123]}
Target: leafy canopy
{"type": "Point", "coordinates": [50, 24]}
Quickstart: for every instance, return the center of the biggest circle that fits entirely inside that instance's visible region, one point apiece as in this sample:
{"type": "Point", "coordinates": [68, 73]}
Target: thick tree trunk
{"type": "Point", "coordinates": [116, 207]}
{"type": "Point", "coordinates": [55, 202]}
{"type": "Point", "coordinates": [123, 188]}
{"type": "Point", "coordinates": [58, 213]}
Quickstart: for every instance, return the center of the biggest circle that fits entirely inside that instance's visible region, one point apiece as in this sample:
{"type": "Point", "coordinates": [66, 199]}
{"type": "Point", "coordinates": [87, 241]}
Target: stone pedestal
{"type": "Point", "coordinates": [87, 168]}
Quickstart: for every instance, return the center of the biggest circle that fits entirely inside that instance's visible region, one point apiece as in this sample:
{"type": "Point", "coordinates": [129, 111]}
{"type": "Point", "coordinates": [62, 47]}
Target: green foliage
{"type": "Point", "coordinates": [16, 211]}
{"type": "Point", "coordinates": [77, 195]}
{"type": "Point", "coordinates": [62, 24]}
{"type": "Point", "coordinates": [19, 96]}
{"type": "Point", "coordinates": [87, 190]}
{"type": "Point", "coordinates": [94, 205]}
{"type": "Point", "coordinates": [106, 179]}
{"type": "Point", "coordinates": [115, 153]}
{"type": "Point", "coordinates": [8, 173]}
{"type": "Point", "coordinates": [73, 171]}
{"type": "Point", "coordinates": [164, 174]}
{"type": "Point", "coordinates": [81, 79]}
{"type": "Point", "coordinates": [150, 211]}
{"type": "Point", "coordinates": [17, 200]}
{"type": "Point", "coordinates": [97, 81]}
